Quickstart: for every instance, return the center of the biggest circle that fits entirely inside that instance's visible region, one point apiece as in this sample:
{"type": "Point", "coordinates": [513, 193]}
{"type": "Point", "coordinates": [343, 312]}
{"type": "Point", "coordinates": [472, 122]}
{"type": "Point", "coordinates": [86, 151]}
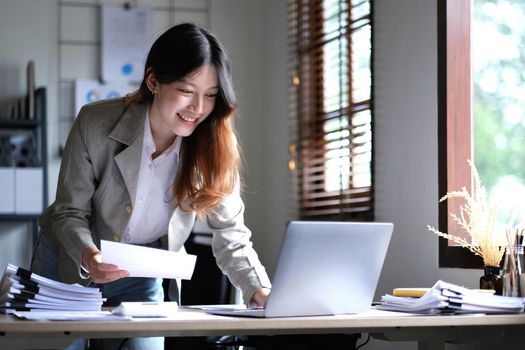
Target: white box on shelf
{"type": "Point", "coordinates": [7, 190]}
{"type": "Point", "coordinates": [28, 190]}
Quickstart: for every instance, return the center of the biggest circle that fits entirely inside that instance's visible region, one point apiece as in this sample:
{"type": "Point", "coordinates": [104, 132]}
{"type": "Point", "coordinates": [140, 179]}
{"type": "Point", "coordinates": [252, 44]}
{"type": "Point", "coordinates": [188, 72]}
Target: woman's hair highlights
{"type": "Point", "coordinates": [210, 159]}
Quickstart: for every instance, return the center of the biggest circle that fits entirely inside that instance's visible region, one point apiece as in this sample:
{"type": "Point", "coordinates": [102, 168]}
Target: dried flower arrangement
{"type": "Point", "coordinates": [478, 218]}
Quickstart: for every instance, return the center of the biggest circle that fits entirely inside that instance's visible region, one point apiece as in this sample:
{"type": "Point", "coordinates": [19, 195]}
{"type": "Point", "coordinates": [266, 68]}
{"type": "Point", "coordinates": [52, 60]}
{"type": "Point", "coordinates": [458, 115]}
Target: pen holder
{"type": "Point", "coordinates": [511, 272]}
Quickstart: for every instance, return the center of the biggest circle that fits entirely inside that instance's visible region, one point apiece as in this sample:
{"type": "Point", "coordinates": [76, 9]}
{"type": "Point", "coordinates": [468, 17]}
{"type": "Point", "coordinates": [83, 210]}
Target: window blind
{"type": "Point", "coordinates": [331, 108]}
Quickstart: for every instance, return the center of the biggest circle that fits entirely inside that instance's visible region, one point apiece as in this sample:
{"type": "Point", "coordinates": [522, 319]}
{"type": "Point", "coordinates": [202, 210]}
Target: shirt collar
{"type": "Point", "coordinates": [149, 144]}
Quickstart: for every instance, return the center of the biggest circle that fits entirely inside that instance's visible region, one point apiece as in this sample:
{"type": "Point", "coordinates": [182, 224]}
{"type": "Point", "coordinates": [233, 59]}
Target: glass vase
{"type": "Point", "coordinates": [521, 270]}
{"type": "Point", "coordinates": [491, 279]}
{"type": "Point", "coordinates": [511, 272]}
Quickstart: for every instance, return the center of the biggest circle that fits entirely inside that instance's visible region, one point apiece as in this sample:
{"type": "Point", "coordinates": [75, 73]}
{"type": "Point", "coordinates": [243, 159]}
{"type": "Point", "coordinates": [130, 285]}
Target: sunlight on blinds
{"type": "Point", "coordinates": [331, 107]}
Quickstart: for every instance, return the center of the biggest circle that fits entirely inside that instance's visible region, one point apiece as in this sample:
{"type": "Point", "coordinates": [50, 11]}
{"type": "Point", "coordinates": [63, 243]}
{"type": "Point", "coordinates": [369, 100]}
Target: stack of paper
{"type": "Point", "coordinates": [445, 297]}
{"type": "Point", "coordinates": [21, 290]}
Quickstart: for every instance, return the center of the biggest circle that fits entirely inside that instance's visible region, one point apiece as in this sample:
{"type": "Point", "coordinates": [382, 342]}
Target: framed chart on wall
{"type": "Point", "coordinates": [127, 34]}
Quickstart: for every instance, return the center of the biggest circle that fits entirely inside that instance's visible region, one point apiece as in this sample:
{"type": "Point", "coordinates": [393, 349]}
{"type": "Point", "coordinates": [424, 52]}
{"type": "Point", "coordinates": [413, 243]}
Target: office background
{"type": "Point", "coordinates": [255, 32]}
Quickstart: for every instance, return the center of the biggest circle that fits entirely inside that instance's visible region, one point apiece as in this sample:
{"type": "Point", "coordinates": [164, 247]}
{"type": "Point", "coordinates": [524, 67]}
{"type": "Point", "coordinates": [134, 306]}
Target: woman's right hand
{"type": "Point", "coordinates": [98, 271]}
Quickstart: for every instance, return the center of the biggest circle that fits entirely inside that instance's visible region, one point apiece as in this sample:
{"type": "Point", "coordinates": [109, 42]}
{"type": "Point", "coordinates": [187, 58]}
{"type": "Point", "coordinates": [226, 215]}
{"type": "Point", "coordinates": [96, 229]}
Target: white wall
{"type": "Point", "coordinates": [244, 47]}
{"type": "Point", "coordinates": [254, 31]}
{"type": "Point", "coordinates": [259, 59]}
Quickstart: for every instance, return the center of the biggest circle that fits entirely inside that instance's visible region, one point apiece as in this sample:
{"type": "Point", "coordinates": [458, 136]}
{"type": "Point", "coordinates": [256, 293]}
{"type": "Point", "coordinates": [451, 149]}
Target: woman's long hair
{"type": "Point", "coordinates": [210, 160]}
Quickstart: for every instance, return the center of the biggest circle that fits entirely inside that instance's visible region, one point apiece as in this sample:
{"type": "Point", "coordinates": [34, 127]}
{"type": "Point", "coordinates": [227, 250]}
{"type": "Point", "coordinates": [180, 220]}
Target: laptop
{"type": "Point", "coordinates": [324, 268]}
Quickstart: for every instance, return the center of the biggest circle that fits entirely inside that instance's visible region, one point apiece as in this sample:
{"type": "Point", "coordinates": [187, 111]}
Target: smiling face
{"type": "Point", "coordinates": [178, 107]}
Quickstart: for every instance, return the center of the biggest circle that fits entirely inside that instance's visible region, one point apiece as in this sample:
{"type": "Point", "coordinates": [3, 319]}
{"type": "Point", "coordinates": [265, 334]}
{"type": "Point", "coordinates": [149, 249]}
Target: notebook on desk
{"type": "Point", "coordinates": [324, 268]}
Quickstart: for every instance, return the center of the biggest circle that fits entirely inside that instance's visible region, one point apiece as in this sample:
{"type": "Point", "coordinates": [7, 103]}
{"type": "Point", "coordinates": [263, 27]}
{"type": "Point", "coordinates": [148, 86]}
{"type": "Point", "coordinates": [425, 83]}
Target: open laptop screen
{"type": "Point", "coordinates": [325, 268]}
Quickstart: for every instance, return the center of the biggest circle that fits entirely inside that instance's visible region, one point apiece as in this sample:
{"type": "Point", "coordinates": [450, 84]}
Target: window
{"type": "Point", "coordinates": [332, 113]}
{"type": "Point", "coordinates": [498, 63]}
{"type": "Point", "coordinates": [481, 113]}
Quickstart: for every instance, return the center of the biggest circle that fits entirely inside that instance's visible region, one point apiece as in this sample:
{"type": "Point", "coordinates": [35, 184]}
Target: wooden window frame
{"type": "Point", "coordinates": [454, 122]}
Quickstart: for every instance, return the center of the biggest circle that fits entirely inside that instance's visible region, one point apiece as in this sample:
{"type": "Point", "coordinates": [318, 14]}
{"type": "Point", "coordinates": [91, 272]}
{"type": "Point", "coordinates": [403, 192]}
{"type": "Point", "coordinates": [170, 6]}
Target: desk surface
{"type": "Point", "coordinates": [194, 322]}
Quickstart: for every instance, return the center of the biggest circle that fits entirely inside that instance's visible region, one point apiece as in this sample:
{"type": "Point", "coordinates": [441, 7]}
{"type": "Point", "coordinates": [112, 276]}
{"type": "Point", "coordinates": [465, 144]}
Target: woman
{"type": "Point", "coordinates": [140, 168]}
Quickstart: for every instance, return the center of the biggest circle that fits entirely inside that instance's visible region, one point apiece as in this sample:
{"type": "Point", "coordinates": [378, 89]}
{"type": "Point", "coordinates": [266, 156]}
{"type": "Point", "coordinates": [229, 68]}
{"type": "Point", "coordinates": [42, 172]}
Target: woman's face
{"type": "Point", "coordinates": [180, 106]}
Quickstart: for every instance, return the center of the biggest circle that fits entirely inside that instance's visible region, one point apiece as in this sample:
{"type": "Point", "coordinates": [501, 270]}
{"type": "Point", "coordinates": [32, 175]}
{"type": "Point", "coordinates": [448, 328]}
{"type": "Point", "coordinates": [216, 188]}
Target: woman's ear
{"type": "Point", "coordinates": [151, 81]}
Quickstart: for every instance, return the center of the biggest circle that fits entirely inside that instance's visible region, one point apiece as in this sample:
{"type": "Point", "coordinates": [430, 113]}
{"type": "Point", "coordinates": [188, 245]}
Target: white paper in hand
{"type": "Point", "coordinates": [148, 262]}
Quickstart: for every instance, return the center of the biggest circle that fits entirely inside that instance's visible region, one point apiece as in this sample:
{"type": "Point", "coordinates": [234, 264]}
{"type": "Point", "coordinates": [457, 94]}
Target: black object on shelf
{"type": "Point", "coordinates": [19, 124]}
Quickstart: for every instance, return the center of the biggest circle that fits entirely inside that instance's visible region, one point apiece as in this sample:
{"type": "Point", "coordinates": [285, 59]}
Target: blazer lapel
{"type": "Point", "coordinates": [129, 131]}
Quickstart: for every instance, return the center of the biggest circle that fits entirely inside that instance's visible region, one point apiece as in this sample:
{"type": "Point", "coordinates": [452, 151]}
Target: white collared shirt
{"type": "Point", "coordinates": [154, 202]}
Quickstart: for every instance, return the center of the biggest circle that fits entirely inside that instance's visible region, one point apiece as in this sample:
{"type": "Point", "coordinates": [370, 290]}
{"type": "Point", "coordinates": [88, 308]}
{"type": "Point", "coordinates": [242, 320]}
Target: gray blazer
{"type": "Point", "coordinates": [96, 187]}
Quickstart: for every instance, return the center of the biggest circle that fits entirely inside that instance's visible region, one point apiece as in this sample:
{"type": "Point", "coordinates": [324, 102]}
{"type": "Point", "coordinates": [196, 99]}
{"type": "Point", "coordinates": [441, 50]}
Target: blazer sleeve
{"type": "Point", "coordinates": [68, 217]}
{"type": "Point", "coordinates": [233, 249]}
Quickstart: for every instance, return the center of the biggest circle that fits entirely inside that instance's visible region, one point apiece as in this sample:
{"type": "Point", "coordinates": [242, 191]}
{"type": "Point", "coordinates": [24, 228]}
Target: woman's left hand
{"type": "Point", "coordinates": [259, 298]}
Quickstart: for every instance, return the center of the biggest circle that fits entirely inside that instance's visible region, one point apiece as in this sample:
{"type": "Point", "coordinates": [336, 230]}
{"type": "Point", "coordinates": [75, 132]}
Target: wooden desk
{"type": "Point", "coordinates": [430, 331]}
